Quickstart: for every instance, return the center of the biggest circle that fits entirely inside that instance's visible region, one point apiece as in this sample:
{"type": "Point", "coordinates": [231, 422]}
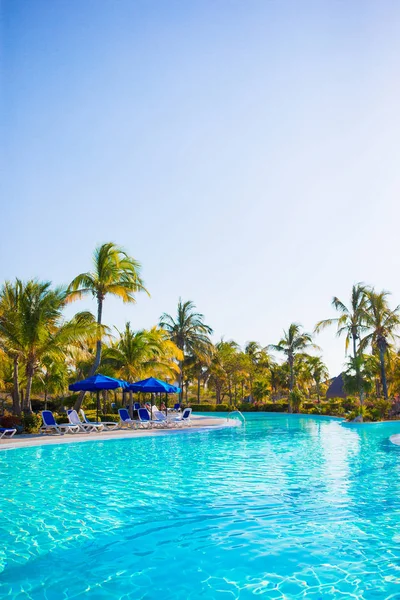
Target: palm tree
{"type": "Point", "coordinates": [258, 357]}
{"type": "Point", "coordinates": [351, 323]}
{"type": "Point", "coordinates": [43, 332]}
{"type": "Point", "coordinates": [51, 377]}
{"type": "Point", "coordinates": [351, 320]}
{"type": "Point", "coordinates": [382, 323]}
{"type": "Point", "coordinates": [188, 331]}
{"type": "Point", "coordinates": [114, 273]}
{"type": "Point", "coordinates": [10, 332]}
{"type": "Point", "coordinates": [294, 341]}
{"type": "Point", "coordinates": [318, 371]}
{"type": "Point", "coordinates": [137, 354]}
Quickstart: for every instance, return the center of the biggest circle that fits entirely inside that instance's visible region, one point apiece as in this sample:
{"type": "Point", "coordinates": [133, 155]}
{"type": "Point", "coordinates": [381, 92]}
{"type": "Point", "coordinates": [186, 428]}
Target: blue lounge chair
{"type": "Point", "coordinates": [50, 425]}
{"type": "Point", "coordinates": [124, 419]}
{"type": "Point", "coordinates": [184, 419]}
{"type": "Point", "coordinates": [136, 405]}
{"type": "Point", "coordinates": [7, 432]}
{"type": "Point", "coordinates": [144, 417]}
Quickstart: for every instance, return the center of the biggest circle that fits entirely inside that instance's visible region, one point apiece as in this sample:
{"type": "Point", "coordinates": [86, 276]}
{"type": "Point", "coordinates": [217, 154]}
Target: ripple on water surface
{"type": "Point", "coordinates": [285, 507]}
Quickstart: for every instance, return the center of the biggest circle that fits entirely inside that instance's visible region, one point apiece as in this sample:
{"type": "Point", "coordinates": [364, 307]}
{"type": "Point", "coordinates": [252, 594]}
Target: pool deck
{"type": "Point", "coordinates": [198, 423]}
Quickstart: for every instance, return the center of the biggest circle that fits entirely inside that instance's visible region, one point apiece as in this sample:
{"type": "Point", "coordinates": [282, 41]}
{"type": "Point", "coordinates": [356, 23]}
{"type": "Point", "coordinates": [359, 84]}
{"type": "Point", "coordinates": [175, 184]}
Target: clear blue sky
{"type": "Point", "coordinates": [247, 153]}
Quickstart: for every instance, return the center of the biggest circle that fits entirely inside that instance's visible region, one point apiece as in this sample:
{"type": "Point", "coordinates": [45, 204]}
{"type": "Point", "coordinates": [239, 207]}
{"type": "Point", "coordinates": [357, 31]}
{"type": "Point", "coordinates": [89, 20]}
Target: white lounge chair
{"type": "Point", "coordinates": [184, 419]}
{"type": "Point", "coordinates": [83, 427]}
{"type": "Point", "coordinates": [161, 420]}
{"type": "Point", "coordinates": [125, 420]}
{"type": "Point", "coordinates": [7, 432]}
{"type": "Point", "coordinates": [107, 424]}
{"type": "Point", "coordinates": [50, 425]}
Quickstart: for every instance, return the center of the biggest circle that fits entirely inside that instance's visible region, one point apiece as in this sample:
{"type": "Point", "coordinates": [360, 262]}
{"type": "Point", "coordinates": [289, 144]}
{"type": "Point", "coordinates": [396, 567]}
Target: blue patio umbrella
{"type": "Point", "coordinates": [96, 383]}
{"type": "Point", "coordinates": [154, 386]}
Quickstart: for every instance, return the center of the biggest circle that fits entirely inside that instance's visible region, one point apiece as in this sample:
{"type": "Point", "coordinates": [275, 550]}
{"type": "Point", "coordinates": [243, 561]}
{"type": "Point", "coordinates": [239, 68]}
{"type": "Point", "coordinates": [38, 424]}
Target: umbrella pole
{"type": "Point", "coordinates": [97, 405]}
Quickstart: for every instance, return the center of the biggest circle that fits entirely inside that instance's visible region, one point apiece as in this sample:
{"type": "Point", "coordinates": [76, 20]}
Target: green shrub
{"type": "Point", "coordinates": [211, 407]}
{"type": "Point", "coordinates": [378, 410]}
{"type": "Point", "coordinates": [11, 421]}
{"type": "Point", "coordinates": [296, 398]}
{"type": "Point", "coordinates": [31, 423]}
{"type": "Point", "coordinates": [91, 415]}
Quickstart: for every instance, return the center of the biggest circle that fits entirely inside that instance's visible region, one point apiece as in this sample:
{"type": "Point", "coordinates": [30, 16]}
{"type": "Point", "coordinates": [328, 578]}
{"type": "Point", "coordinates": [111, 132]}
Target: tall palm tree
{"type": "Point", "coordinates": [294, 341]}
{"type": "Point", "coordinates": [10, 332]}
{"type": "Point", "coordinates": [188, 331]}
{"type": "Point", "coordinates": [382, 323]}
{"type": "Point", "coordinates": [351, 320]}
{"type": "Point", "coordinates": [39, 330]}
{"type": "Point", "coordinates": [114, 273]}
{"type": "Point", "coordinates": [350, 323]}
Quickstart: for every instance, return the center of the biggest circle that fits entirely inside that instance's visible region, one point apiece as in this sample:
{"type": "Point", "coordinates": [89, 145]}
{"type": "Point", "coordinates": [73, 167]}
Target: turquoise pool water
{"type": "Point", "coordinates": [286, 507]}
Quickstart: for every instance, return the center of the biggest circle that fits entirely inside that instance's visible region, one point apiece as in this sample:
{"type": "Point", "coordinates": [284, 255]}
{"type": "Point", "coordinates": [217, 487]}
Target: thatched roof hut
{"type": "Point", "coordinates": [336, 388]}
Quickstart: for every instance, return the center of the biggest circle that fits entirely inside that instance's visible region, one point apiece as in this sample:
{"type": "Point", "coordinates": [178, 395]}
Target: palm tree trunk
{"type": "Point", "coordinates": [358, 378]}
{"type": "Point", "coordinates": [131, 404]}
{"type": "Point", "coordinates": [29, 378]}
{"type": "Point", "coordinates": [198, 386]}
{"type": "Point", "coordinates": [97, 359]}
{"type": "Point", "coordinates": [180, 381]}
{"type": "Point", "coordinates": [16, 406]}
{"type": "Point", "coordinates": [291, 383]}
{"type": "Point", "coordinates": [382, 349]}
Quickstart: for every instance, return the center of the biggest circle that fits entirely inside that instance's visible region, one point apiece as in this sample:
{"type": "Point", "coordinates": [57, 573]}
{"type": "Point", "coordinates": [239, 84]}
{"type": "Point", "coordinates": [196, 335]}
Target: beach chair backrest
{"type": "Point", "coordinates": [143, 414]}
{"type": "Point", "coordinates": [73, 417]}
{"type": "Point", "coordinates": [84, 417]}
{"type": "Point", "coordinates": [159, 415]}
{"type": "Point", "coordinates": [186, 413]}
{"type": "Point", "coordinates": [48, 417]}
{"type": "Point", "coordinates": [177, 406]}
{"type": "Point", "coordinates": [136, 406]}
{"type": "Point", "coordinates": [123, 414]}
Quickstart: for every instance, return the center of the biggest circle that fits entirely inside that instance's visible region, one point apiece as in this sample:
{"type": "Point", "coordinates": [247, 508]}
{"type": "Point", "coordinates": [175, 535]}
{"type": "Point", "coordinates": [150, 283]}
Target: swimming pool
{"type": "Point", "coordinates": [286, 507]}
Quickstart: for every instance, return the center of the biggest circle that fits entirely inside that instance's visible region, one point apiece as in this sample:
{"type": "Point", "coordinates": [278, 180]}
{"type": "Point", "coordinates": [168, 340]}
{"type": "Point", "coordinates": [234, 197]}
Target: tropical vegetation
{"type": "Point", "coordinates": [42, 352]}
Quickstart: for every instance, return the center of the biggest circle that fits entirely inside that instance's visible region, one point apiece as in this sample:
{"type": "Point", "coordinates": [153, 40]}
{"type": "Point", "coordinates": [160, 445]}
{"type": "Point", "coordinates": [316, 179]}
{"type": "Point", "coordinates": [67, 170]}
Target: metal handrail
{"type": "Point", "coordinates": [233, 412]}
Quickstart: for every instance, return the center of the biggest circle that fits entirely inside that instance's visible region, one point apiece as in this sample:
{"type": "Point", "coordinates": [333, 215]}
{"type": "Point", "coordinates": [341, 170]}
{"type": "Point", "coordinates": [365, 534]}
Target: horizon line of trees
{"type": "Point", "coordinates": [41, 352]}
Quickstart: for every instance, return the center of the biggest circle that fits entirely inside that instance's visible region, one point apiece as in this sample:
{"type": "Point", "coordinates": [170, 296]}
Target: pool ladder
{"type": "Point", "coordinates": [241, 416]}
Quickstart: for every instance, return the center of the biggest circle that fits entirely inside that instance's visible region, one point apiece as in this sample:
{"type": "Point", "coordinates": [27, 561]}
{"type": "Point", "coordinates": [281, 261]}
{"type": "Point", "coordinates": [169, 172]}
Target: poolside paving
{"type": "Point", "coordinates": [198, 423]}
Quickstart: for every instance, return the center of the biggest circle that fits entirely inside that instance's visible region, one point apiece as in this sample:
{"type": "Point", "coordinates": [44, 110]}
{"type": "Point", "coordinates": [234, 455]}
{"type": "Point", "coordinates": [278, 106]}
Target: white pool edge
{"type": "Point", "coordinates": [54, 440]}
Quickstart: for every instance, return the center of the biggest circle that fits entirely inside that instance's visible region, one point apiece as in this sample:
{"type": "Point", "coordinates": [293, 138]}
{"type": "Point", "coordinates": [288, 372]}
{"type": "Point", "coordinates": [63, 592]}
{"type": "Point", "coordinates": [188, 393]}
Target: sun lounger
{"type": "Point", "coordinates": [144, 417]}
{"type": "Point", "coordinates": [125, 419]}
{"type": "Point", "coordinates": [7, 432]}
{"type": "Point", "coordinates": [50, 425]}
{"type": "Point", "coordinates": [83, 427]}
{"type": "Point", "coordinates": [161, 420]}
{"type": "Point", "coordinates": [106, 424]}
{"type": "Point", "coordinates": [184, 419]}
